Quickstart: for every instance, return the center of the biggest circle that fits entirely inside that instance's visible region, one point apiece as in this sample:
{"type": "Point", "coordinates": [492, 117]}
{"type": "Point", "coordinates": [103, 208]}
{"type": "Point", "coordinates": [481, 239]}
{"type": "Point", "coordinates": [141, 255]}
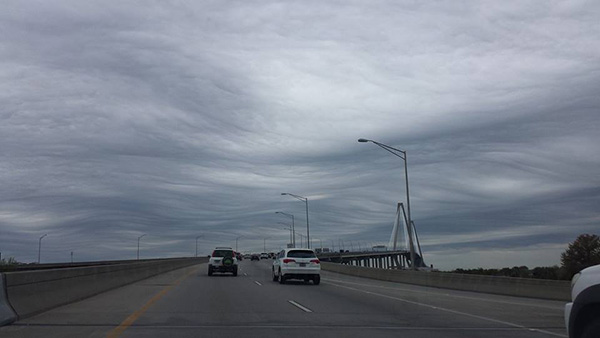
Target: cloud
{"type": "Point", "coordinates": [180, 119]}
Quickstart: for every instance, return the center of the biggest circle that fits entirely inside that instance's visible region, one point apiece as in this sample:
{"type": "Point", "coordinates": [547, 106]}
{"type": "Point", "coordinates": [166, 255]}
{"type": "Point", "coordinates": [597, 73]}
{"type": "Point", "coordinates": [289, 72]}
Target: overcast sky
{"type": "Point", "coordinates": [192, 117]}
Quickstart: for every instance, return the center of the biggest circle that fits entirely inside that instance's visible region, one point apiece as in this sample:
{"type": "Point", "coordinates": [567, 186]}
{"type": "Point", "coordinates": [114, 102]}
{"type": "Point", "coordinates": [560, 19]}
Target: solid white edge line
{"type": "Point", "coordinates": [305, 309]}
{"type": "Point", "coordinates": [451, 311]}
{"type": "Point", "coordinates": [257, 283]}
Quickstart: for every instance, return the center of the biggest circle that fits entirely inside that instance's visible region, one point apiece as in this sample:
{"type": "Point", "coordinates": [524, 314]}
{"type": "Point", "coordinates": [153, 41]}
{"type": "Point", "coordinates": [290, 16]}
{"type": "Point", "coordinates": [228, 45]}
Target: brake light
{"type": "Point", "coordinates": [316, 261]}
{"type": "Point", "coordinates": [287, 260]}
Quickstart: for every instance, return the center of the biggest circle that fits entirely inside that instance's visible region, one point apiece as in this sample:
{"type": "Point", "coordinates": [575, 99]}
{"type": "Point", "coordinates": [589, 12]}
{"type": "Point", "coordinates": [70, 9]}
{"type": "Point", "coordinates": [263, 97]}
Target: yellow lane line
{"type": "Point", "coordinates": [117, 331]}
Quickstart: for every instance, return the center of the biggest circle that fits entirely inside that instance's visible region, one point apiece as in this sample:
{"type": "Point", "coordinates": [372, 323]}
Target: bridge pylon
{"type": "Point", "coordinates": [410, 236]}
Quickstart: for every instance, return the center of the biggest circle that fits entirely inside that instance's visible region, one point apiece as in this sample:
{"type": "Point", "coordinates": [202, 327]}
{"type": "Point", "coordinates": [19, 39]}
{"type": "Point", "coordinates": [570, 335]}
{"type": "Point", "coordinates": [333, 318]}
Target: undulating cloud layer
{"type": "Point", "coordinates": [191, 118]}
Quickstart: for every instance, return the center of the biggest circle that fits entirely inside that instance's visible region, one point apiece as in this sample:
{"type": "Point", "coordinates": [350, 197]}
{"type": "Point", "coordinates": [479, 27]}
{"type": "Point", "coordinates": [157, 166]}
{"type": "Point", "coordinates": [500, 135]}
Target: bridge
{"type": "Point", "coordinates": [387, 259]}
{"type": "Point", "coordinates": [398, 259]}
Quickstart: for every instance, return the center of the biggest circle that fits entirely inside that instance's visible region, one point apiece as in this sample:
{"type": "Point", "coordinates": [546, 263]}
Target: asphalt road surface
{"type": "Point", "coordinates": [188, 303]}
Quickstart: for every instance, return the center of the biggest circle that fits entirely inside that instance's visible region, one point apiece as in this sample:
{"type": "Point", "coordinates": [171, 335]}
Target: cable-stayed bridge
{"type": "Point", "coordinates": [403, 248]}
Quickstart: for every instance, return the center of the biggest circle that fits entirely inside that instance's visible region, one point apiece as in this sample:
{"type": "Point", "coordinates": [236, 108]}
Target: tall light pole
{"type": "Point", "coordinates": [301, 237]}
{"type": "Point", "coordinates": [300, 198]}
{"type": "Point", "coordinates": [287, 228]}
{"type": "Point", "coordinates": [265, 243]}
{"type": "Point", "coordinates": [292, 234]}
{"type": "Point", "coordinates": [293, 240]}
{"type": "Point", "coordinates": [40, 248]}
{"type": "Point", "coordinates": [402, 155]}
{"type": "Point", "coordinates": [138, 250]}
{"type": "Point", "coordinates": [197, 244]}
{"type": "Point", "coordinates": [236, 243]}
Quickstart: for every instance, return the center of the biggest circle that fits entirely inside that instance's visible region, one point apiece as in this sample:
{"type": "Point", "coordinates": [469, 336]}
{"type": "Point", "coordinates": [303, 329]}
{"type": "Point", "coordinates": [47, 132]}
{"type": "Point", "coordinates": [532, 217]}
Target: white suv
{"type": "Point", "coordinates": [297, 264]}
{"type": "Point", "coordinates": [223, 260]}
{"type": "Point", "coordinates": [582, 316]}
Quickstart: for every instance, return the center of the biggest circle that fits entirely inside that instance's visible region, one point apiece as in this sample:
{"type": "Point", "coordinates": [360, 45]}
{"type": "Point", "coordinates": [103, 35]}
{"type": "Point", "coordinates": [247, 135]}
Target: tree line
{"type": "Point", "coordinates": [582, 253]}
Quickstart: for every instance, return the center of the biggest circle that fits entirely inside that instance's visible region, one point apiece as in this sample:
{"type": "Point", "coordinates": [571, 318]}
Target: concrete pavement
{"type": "Point", "coordinates": [188, 303]}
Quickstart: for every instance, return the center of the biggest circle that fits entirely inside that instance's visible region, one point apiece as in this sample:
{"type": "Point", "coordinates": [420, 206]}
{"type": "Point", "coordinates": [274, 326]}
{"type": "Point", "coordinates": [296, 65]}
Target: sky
{"type": "Point", "coordinates": [190, 118]}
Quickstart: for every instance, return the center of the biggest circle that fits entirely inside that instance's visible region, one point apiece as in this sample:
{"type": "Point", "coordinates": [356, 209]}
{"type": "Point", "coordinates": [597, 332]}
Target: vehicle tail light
{"type": "Point", "coordinates": [316, 261]}
{"type": "Point", "coordinates": [287, 260]}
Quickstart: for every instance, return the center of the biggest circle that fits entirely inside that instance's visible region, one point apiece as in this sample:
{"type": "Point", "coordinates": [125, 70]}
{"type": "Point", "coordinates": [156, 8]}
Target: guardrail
{"type": "Point", "coordinates": [27, 293]}
{"type": "Point", "coordinates": [520, 287]}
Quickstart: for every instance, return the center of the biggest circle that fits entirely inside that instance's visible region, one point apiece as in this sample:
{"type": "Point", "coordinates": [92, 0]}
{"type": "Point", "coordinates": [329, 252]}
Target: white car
{"type": "Point", "coordinates": [264, 255]}
{"type": "Point", "coordinates": [223, 260]}
{"type": "Point", "coordinates": [297, 264]}
{"type": "Point", "coordinates": [582, 315]}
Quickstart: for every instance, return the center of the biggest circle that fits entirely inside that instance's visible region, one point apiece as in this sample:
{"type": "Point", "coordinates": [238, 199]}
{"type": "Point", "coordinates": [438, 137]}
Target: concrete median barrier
{"type": "Point", "coordinates": [32, 292]}
{"type": "Point", "coordinates": [7, 314]}
{"type": "Point", "coordinates": [520, 287]}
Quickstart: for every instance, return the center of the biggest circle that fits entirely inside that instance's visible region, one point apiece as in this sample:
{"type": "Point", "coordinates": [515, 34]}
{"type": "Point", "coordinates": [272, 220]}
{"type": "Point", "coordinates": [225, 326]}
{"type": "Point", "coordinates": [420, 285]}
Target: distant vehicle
{"type": "Point", "coordinates": [582, 315]}
{"type": "Point", "coordinates": [380, 248]}
{"type": "Point", "coordinates": [296, 264]}
{"type": "Point", "coordinates": [238, 256]}
{"type": "Point", "coordinates": [247, 256]}
{"type": "Point", "coordinates": [264, 255]}
{"type": "Point", "coordinates": [223, 260]}
{"type": "Point", "coordinates": [254, 257]}
{"type": "Point", "coordinates": [321, 250]}
{"type": "Point", "coordinates": [272, 255]}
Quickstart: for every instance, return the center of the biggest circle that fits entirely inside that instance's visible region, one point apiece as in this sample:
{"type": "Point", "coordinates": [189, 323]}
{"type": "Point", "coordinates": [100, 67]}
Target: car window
{"type": "Point", "coordinates": [222, 253]}
{"type": "Point", "coordinates": [301, 254]}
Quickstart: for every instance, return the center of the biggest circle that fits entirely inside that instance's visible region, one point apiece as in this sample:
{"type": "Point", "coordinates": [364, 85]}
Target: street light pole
{"type": "Point", "coordinates": [138, 249]}
{"type": "Point", "coordinates": [287, 228]}
{"type": "Point", "coordinates": [402, 155]}
{"type": "Point", "coordinates": [301, 238]}
{"type": "Point", "coordinates": [305, 199]}
{"type": "Point", "coordinates": [293, 239]}
{"type": "Point", "coordinates": [197, 244]}
{"type": "Point", "coordinates": [40, 248]}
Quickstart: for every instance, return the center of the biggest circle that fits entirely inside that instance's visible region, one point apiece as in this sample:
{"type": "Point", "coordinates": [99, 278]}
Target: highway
{"type": "Point", "coordinates": [188, 303]}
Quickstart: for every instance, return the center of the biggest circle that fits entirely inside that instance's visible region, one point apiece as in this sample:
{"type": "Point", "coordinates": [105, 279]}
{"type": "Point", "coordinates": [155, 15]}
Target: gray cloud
{"type": "Point", "coordinates": [180, 119]}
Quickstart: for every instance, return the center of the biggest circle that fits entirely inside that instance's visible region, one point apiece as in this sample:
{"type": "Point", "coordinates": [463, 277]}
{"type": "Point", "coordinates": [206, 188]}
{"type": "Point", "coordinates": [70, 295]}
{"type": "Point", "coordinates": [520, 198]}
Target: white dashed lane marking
{"type": "Point", "coordinates": [303, 308]}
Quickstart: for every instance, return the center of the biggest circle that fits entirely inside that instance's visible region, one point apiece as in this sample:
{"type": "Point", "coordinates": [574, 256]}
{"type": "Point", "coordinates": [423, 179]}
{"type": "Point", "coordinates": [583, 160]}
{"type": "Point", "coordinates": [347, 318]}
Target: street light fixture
{"type": "Point", "coordinates": [300, 198]}
{"type": "Point", "coordinates": [197, 244]}
{"type": "Point", "coordinates": [138, 249]}
{"type": "Point", "coordinates": [293, 240]}
{"type": "Point", "coordinates": [40, 248]}
{"type": "Point", "coordinates": [402, 154]}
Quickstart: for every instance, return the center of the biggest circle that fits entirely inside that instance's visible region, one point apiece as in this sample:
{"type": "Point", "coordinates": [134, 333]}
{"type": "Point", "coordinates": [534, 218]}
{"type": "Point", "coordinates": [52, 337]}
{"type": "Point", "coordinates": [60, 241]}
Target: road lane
{"type": "Point", "coordinates": [252, 305]}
